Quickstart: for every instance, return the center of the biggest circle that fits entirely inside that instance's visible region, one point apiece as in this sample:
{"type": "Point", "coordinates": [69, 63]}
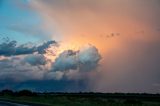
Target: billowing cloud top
{"type": "Point", "coordinates": [21, 63]}
{"type": "Point", "coordinates": [85, 59]}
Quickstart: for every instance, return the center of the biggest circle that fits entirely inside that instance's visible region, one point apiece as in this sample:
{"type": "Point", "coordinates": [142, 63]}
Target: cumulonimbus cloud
{"type": "Point", "coordinates": [85, 59]}
{"type": "Point", "coordinates": [22, 63]}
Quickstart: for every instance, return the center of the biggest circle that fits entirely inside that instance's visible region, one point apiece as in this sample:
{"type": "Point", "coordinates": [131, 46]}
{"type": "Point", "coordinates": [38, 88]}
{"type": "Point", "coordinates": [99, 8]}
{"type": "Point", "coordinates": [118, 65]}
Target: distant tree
{"type": "Point", "coordinates": [7, 92]}
{"type": "Point", "coordinates": [26, 93]}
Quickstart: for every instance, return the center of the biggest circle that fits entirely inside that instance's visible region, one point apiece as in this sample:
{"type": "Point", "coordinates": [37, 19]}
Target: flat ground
{"type": "Point", "coordinates": [86, 99]}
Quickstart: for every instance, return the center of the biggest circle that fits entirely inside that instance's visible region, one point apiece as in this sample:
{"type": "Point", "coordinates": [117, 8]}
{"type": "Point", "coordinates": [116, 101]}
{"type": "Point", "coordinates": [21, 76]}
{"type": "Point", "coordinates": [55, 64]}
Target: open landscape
{"type": "Point", "coordinates": [79, 52]}
{"type": "Point", "coordinates": [80, 99]}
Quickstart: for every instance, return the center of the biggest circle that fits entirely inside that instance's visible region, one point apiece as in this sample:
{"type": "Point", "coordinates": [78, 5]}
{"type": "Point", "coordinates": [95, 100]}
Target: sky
{"type": "Point", "coordinates": [80, 45]}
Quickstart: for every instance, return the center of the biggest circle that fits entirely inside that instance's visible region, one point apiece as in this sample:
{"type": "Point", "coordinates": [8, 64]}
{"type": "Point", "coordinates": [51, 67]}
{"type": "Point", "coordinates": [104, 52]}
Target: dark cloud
{"type": "Point", "coordinates": [41, 49]}
{"type": "Point", "coordinates": [10, 48]}
{"type": "Point", "coordinates": [36, 59]}
{"type": "Point", "coordinates": [47, 85]}
{"type": "Point", "coordinates": [31, 67]}
{"type": "Point", "coordinates": [85, 59]}
{"type": "Point", "coordinates": [18, 70]}
{"type": "Point", "coordinates": [27, 63]}
{"type": "Point", "coordinates": [23, 49]}
{"type": "Point", "coordinates": [66, 61]}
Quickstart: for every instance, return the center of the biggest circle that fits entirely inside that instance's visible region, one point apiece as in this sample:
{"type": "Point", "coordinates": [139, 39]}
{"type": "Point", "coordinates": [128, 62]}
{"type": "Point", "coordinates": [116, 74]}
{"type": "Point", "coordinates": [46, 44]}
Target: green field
{"type": "Point", "coordinates": [85, 99]}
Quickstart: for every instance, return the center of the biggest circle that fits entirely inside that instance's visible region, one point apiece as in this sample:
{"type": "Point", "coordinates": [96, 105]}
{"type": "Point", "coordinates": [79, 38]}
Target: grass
{"type": "Point", "coordinates": [87, 99]}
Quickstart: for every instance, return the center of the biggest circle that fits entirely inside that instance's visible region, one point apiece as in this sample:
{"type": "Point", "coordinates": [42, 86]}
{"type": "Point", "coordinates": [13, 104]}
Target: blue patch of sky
{"type": "Point", "coordinates": [19, 22]}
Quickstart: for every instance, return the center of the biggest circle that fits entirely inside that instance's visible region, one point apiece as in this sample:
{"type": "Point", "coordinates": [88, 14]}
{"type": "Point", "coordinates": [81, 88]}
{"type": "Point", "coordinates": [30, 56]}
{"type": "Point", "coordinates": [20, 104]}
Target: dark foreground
{"type": "Point", "coordinates": [27, 98]}
{"type": "Point", "coordinates": [5, 103]}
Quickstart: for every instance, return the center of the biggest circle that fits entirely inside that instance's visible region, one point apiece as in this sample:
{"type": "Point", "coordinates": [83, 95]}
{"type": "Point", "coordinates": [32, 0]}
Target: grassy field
{"type": "Point", "coordinates": [87, 99]}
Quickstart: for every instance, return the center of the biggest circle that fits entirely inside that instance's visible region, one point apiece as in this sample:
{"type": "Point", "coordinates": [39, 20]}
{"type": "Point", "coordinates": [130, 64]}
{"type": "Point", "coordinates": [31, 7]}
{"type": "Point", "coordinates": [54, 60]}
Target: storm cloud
{"type": "Point", "coordinates": [130, 62]}
{"type": "Point", "coordinates": [31, 67]}
{"type": "Point", "coordinates": [85, 59]}
{"type": "Point", "coordinates": [36, 59]}
{"type": "Point", "coordinates": [26, 62]}
{"type": "Point", "coordinates": [10, 48]}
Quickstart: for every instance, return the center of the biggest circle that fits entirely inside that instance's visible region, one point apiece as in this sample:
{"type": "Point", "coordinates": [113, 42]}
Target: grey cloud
{"type": "Point", "coordinates": [47, 85]}
{"type": "Point", "coordinates": [58, 75]}
{"type": "Point", "coordinates": [66, 61]}
{"type": "Point", "coordinates": [85, 59]}
{"type": "Point", "coordinates": [16, 70]}
{"type": "Point", "coordinates": [21, 69]}
{"type": "Point", "coordinates": [36, 59]}
{"type": "Point", "coordinates": [23, 49]}
{"type": "Point", "coordinates": [88, 58]}
{"type": "Point", "coordinates": [25, 62]}
{"type": "Point", "coordinates": [41, 48]}
{"type": "Point", "coordinates": [10, 48]}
